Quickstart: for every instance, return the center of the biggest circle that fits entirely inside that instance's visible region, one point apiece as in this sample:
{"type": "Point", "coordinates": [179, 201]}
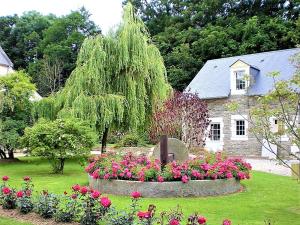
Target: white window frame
{"type": "Point", "coordinates": [233, 71]}
{"type": "Point", "coordinates": [235, 118]}
{"type": "Point", "coordinates": [220, 121]}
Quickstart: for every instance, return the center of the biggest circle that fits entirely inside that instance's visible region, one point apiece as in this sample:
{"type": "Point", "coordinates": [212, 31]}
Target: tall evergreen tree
{"type": "Point", "coordinates": [117, 80]}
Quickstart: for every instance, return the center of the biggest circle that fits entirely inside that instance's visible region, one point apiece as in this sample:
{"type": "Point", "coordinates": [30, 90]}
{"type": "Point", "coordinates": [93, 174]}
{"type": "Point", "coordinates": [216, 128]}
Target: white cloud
{"type": "Point", "coordinates": [105, 13]}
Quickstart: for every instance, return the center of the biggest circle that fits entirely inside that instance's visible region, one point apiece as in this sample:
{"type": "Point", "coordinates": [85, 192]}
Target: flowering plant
{"type": "Point", "coordinates": [8, 195]}
{"type": "Point", "coordinates": [141, 168]}
{"type": "Point", "coordinates": [24, 197]}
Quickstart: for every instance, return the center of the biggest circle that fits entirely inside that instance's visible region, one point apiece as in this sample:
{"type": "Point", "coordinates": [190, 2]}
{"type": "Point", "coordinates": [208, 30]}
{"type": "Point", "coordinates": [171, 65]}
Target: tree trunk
{"type": "Point", "coordinates": [62, 165]}
{"type": "Point", "coordinates": [104, 140]}
{"type": "Point", "coordinates": [2, 154]}
{"type": "Point", "coordinates": [11, 154]}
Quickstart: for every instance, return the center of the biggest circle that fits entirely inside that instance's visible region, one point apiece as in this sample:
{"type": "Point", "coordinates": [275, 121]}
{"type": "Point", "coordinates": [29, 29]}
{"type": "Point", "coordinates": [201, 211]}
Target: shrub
{"type": "Point", "coordinates": [129, 140]}
{"type": "Point", "coordinates": [46, 204]}
{"type": "Point", "coordinates": [67, 208]}
{"type": "Point", "coordinates": [59, 140]}
{"type": "Point", "coordinates": [7, 195]}
{"type": "Point", "coordinates": [140, 168]}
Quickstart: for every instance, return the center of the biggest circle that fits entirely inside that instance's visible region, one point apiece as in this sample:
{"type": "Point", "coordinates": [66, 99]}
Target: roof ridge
{"type": "Point", "coordinates": [280, 50]}
{"type": "Point", "coordinates": [2, 52]}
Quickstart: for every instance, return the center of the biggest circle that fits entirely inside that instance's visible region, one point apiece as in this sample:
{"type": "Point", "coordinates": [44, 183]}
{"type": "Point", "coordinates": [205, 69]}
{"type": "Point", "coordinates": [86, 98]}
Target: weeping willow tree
{"type": "Point", "coordinates": [118, 80]}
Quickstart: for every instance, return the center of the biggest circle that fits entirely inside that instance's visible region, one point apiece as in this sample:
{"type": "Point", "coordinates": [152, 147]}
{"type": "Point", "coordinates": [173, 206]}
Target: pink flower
{"type": "Point", "coordinates": [6, 190]}
{"type": "Point", "coordinates": [229, 175]}
{"type": "Point", "coordinates": [184, 179]}
{"type": "Point", "coordinates": [20, 194]}
{"type": "Point", "coordinates": [95, 174]}
{"type": "Point", "coordinates": [160, 179]}
{"type": "Point", "coordinates": [84, 190]}
{"type": "Point", "coordinates": [105, 202]}
{"type": "Point", "coordinates": [95, 194]}
{"type": "Point", "coordinates": [5, 178]}
{"type": "Point", "coordinates": [226, 222]}
{"type": "Point", "coordinates": [27, 178]}
{"type": "Point", "coordinates": [174, 222]}
{"type": "Point", "coordinates": [106, 176]}
{"type": "Point", "coordinates": [136, 194]}
{"type": "Point", "coordinates": [76, 187]}
{"type": "Point", "coordinates": [241, 175]}
{"type": "Point", "coordinates": [143, 215]}
{"type": "Point", "coordinates": [201, 220]}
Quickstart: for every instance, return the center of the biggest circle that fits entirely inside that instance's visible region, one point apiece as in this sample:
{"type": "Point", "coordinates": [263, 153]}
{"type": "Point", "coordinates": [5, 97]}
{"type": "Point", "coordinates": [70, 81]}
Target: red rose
{"type": "Point", "coordinates": [74, 196]}
{"type": "Point", "coordinates": [27, 178]}
{"type": "Point", "coordinates": [226, 222]}
{"type": "Point", "coordinates": [28, 193]}
{"type": "Point", "coordinates": [174, 222]}
{"type": "Point", "coordinates": [201, 220]}
{"type": "Point", "coordinates": [6, 190]}
{"type": "Point", "coordinates": [105, 202]}
{"type": "Point", "coordinates": [76, 187]}
{"type": "Point", "coordinates": [229, 175]}
{"type": "Point", "coordinates": [136, 194]}
{"type": "Point", "coordinates": [20, 194]}
{"type": "Point", "coordinates": [143, 215]}
{"type": "Point", "coordinates": [5, 178]}
{"type": "Point", "coordinates": [95, 194]}
{"type": "Point", "coordinates": [65, 193]}
{"type": "Point", "coordinates": [84, 190]}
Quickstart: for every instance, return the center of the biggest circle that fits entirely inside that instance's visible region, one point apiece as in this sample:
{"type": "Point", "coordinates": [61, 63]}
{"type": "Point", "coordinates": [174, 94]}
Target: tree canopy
{"type": "Point", "coordinates": [32, 39]}
{"type": "Point", "coordinates": [188, 33]}
{"type": "Point", "coordinates": [15, 110]}
{"type": "Point", "coordinates": [118, 80]}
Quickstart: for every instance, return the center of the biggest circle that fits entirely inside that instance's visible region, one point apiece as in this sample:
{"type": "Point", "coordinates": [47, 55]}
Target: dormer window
{"type": "Point", "coordinates": [240, 79]}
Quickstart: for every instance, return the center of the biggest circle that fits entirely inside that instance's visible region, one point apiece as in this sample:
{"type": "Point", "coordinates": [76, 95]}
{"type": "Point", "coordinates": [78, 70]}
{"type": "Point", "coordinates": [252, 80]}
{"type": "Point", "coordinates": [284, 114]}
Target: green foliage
{"type": "Point", "coordinates": [15, 110]}
{"type": "Point", "coordinates": [59, 140]}
{"type": "Point", "coordinates": [117, 76]}
{"type": "Point", "coordinates": [37, 39]}
{"type": "Point", "coordinates": [46, 205]}
{"type": "Point", "coordinates": [129, 140]}
{"type": "Point", "coordinates": [188, 33]}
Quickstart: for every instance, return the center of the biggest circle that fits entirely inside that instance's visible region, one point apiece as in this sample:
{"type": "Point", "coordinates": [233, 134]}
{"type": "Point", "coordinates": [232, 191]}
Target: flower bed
{"type": "Point", "coordinates": [213, 174]}
{"type": "Point", "coordinates": [88, 206]}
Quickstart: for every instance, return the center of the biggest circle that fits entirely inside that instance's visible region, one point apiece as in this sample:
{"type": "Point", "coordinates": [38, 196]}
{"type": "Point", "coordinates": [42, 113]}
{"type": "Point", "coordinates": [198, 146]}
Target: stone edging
{"type": "Point", "coordinates": [193, 188]}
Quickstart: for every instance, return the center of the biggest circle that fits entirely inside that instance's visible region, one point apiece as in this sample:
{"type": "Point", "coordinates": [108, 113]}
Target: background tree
{"type": "Point", "coordinates": [188, 33]}
{"type": "Point", "coordinates": [183, 116]}
{"type": "Point", "coordinates": [33, 39]}
{"type": "Point", "coordinates": [15, 110]}
{"type": "Point", "coordinates": [59, 140]}
{"type": "Point", "coordinates": [118, 80]}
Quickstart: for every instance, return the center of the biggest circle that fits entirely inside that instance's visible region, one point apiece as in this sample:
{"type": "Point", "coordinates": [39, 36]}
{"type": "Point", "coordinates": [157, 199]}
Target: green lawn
{"type": "Point", "coordinates": [267, 196]}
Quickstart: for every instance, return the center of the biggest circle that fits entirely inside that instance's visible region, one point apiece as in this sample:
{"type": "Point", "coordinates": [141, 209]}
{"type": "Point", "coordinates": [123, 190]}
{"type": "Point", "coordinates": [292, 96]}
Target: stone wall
{"type": "Point", "coordinates": [250, 147]}
{"type": "Point", "coordinates": [167, 189]}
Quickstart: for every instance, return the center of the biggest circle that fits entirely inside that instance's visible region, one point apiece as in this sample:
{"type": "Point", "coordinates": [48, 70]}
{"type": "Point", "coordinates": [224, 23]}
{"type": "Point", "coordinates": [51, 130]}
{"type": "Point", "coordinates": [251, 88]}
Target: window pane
{"type": "Point", "coordinates": [240, 127]}
{"type": "Point", "coordinates": [215, 131]}
{"type": "Point", "coordinates": [240, 80]}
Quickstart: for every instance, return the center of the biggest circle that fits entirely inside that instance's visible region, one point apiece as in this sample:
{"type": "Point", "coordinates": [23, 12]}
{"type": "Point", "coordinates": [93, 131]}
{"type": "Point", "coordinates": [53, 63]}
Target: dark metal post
{"type": "Point", "coordinates": [163, 150]}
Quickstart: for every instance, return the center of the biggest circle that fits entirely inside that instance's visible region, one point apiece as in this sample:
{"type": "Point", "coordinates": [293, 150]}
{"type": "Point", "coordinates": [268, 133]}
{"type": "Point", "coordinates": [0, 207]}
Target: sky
{"type": "Point", "coordinates": [105, 13]}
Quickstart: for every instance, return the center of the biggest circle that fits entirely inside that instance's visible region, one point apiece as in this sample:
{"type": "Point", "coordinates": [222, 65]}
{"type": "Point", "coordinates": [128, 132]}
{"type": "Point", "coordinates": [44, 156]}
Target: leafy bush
{"type": "Point", "coordinates": [130, 167]}
{"type": "Point", "coordinates": [59, 140]}
{"type": "Point", "coordinates": [129, 140]}
{"type": "Point", "coordinates": [46, 204]}
{"type": "Point", "coordinates": [7, 195]}
{"type": "Point", "coordinates": [67, 209]}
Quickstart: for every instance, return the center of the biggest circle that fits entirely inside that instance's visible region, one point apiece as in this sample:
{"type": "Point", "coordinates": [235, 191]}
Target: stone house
{"type": "Point", "coordinates": [223, 80]}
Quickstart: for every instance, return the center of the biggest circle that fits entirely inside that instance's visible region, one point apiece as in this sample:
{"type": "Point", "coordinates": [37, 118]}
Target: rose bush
{"type": "Point", "coordinates": [88, 206]}
{"type": "Point", "coordinates": [141, 168]}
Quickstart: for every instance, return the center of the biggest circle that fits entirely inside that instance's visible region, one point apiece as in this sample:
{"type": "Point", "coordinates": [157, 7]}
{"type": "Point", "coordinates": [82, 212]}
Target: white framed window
{"type": "Point", "coordinates": [240, 81]}
{"type": "Point", "coordinates": [215, 131]}
{"type": "Point", "coordinates": [239, 127]}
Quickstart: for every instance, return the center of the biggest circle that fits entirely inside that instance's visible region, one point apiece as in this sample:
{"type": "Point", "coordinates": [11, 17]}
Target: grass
{"type": "Point", "coordinates": [266, 197]}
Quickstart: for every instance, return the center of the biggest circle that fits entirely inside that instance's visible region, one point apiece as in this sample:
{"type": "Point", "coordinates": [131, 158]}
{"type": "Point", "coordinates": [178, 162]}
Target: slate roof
{"type": "Point", "coordinates": [213, 80]}
{"type": "Point", "coordinates": [4, 60]}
